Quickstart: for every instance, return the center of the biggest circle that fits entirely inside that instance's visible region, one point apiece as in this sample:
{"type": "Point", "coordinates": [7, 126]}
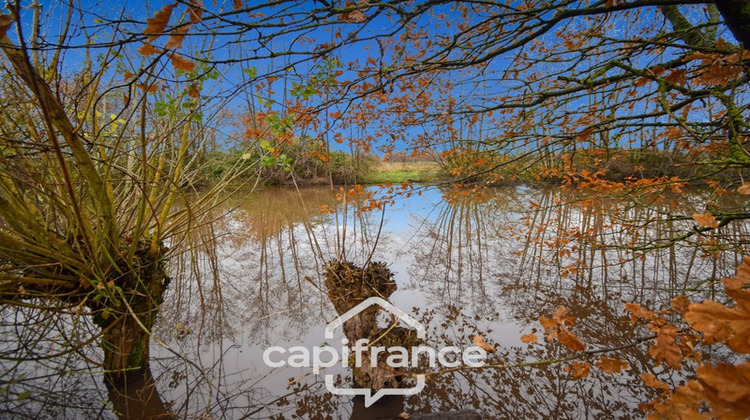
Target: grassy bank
{"type": "Point", "coordinates": [400, 172]}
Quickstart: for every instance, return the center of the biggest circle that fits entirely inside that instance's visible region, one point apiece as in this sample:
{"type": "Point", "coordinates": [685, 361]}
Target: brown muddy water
{"type": "Point", "coordinates": [485, 263]}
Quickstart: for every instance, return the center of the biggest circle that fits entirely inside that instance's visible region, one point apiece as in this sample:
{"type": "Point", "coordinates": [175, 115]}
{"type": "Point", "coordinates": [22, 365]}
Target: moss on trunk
{"type": "Point", "coordinates": [126, 321]}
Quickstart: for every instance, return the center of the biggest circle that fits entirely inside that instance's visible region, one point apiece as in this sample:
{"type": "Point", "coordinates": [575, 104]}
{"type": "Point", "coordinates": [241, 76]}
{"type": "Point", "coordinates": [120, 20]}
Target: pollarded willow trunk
{"type": "Point", "coordinates": [126, 325]}
{"type": "Point", "coordinates": [349, 285]}
{"type": "Point", "coordinates": [122, 282]}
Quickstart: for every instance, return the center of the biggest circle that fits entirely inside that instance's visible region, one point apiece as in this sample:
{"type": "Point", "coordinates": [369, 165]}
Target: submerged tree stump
{"type": "Point", "coordinates": [348, 285]}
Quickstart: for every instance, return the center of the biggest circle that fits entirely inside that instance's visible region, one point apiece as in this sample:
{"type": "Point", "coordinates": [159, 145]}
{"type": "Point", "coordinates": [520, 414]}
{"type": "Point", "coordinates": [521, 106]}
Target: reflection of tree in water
{"type": "Point", "coordinates": [614, 246]}
{"type": "Point", "coordinates": [38, 367]}
{"type": "Point", "coordinates": [272, 249]}
{"type": "Point", "coordinates": [268, 248]}
{"type": "Point", "coordinates": [499, 261]}
{"type": "Point", "coordinates": [486, 264]}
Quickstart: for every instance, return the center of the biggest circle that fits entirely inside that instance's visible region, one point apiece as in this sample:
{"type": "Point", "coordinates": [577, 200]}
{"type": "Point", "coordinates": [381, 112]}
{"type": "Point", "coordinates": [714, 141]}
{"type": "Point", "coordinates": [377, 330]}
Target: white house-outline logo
{"type": "Point", "coordinates": [300, 356]}
{"type": "Point", "coordinates": [371, 398]}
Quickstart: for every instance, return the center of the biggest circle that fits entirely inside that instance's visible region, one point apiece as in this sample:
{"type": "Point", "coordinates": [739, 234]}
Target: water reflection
{"type": "Point", "coordinates": [488, 262]}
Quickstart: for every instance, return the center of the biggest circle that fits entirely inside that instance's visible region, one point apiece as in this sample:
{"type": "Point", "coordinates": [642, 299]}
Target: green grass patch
{"type": "Point", "coordinates": [400, 172]}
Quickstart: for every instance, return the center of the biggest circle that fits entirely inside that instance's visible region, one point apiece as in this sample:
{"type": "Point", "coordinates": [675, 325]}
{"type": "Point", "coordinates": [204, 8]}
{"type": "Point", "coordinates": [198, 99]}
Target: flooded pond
{"type": "Point", "coordinates": [488, 262]}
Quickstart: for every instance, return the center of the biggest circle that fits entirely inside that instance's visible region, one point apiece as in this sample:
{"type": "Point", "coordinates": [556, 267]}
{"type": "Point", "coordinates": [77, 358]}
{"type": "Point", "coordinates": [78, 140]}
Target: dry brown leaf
{"type": "Point", "coordinates": [727, 387]}
{"type": "Point", "coordinates": [151, 89]}
{"type": "Point", "coordinates": [176, 37]}
{"type": "Point", "coordinates": [680, 304]}
{"type": "Point", "coordinates": [547, 323]}
{"type": "Point", "coordinates": [238, 4]}
{"type": "Point", "coordinates": [639, 312]}
{"type": "Point", "coordinates": [687, 343]}
{"type": "Point", "coordinates": [5, 22]}
{"type": "Point", "coordinates": [642, 81]}
{"type": "Point", "coordinates": [706, 220]}
{"type": "Point", "coordinates": [569, 340]}
{"type": "Point", "coordinates": [684, 403]}
{"type": "Point", "coordinates": [609, 365]}
{"type": "Point", "coordinates": [744, 189]}
{"type": "Point", "coordinates": [182, 63]}
{"type": "Point", "coordinates": [529, 338]}
{"type": "Point", "coordinates": [650, 380]}
{"type": "Point", "coordinates": [676, 77]}
{"type": "Point", "coordinates": [578, 370]}
{"type": "Point", "coordinates": [562, 316]}
{"type": "Point", "coordinates": [155, 26]}
{"type": "Point", "coordinates": [479, 342]}
{"type": "Point", "coordinates": [720, 324]}
{"type": "Point", "coordinates": [195, 10]}
{"type": "Point", "coordinates": [148, 49]}
{"type": "Point", "coordinates": [355, 16]}
{"type": "Point", "coordinates": [403, 416]}
{"type": "Point", "coordinates": [741, 279]}
{"type": "Point", "coordinates": [701, 56]}
{"type": "Point", "coordinates": [193, 90]}
{"type": "Point", "coordinates": [719, 74]}
{"type": "Point", "coordinates": [666, 351]}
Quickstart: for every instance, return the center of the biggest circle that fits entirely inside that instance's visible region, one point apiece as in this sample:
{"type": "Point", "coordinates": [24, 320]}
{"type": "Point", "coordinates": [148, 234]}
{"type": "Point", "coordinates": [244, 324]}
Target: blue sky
{"type": "Point", "coordinates": [231, 89]}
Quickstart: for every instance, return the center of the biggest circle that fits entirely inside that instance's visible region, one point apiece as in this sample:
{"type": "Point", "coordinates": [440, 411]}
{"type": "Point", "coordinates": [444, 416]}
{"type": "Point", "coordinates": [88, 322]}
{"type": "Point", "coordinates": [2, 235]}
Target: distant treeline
{"type": "Point", "coordinates": [308, 163]}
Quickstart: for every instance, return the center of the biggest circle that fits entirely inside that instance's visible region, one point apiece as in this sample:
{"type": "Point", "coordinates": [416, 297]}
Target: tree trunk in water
{"type": "Point", "coordinates": [126, 338]}
{"type": "Point", "coordinates": [138, 398]}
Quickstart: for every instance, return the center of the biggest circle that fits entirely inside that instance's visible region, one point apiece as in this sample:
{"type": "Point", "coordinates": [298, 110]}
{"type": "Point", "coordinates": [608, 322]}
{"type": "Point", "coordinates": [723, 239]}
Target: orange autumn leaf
{"type": "Point", "coordinates": [700, 56]}
{"type": "Point", "coordinates": [155, 25]}
{"type": "Point", "coordinates": [569, 340]}
{"type": "Point", "coordinates": [547, 323]}
{"type": "Point", "coordinates": [665, 350]}
{"type": "Point", "coordinates": [195, 10]}
{"type": "Point", "coordinates": [562, 316]}
{"type": "Point", "coordinates": [478, 341]}
{"type": "Point", "coordinates": [723, 324]}
{"type": "Point", "coordinates": [676, 77]}
{"type": "Point", "coordinates": [706, 220]}
{"type": "Point", "coordinates": [176, 37]}
{"type": "Point", "coordinates": [727, 386]}
{"type": "Point", "coordinates": [719, 74]}
{"type": "Point", "coordinates": [355, 16]}
{"type": "Point", "coordinates": [578, 370]}
{"type": "Point", "coordinates": [585, 134]}
{"type": "Point", "coordinates": [680, 304]}
{"type": "Point", "coordinates": [194, 90]}
{"type": "Point", "coordinates": [151, 89]}
{"type": "Point", "coordinates": [744, 189]}
{"type": "Point", "coordinates": [5, 22]}
{"type": "Point", "coordinates": [148, 49]}
{"type": "Point", "coordinates": [182, 63]}
{"type": "Point", "coordinates": [639, 312]}
{"type": "Point", "coordinates": [684, 403]}
{"type": "Point", "coordinates": [720, 324]}
{"type": "Point", "coordinates": [529, 338]}
{"type": "Point", "coordinates": [741, 279]}
{"type": "Point", "coordinates": [687, 344]}
{"type": "Point", "coordinates": [609, 365]}
{"type": "Point", "coordinates": [650, 380]}
{"type": "Point", "coordinates": [238, 4]}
